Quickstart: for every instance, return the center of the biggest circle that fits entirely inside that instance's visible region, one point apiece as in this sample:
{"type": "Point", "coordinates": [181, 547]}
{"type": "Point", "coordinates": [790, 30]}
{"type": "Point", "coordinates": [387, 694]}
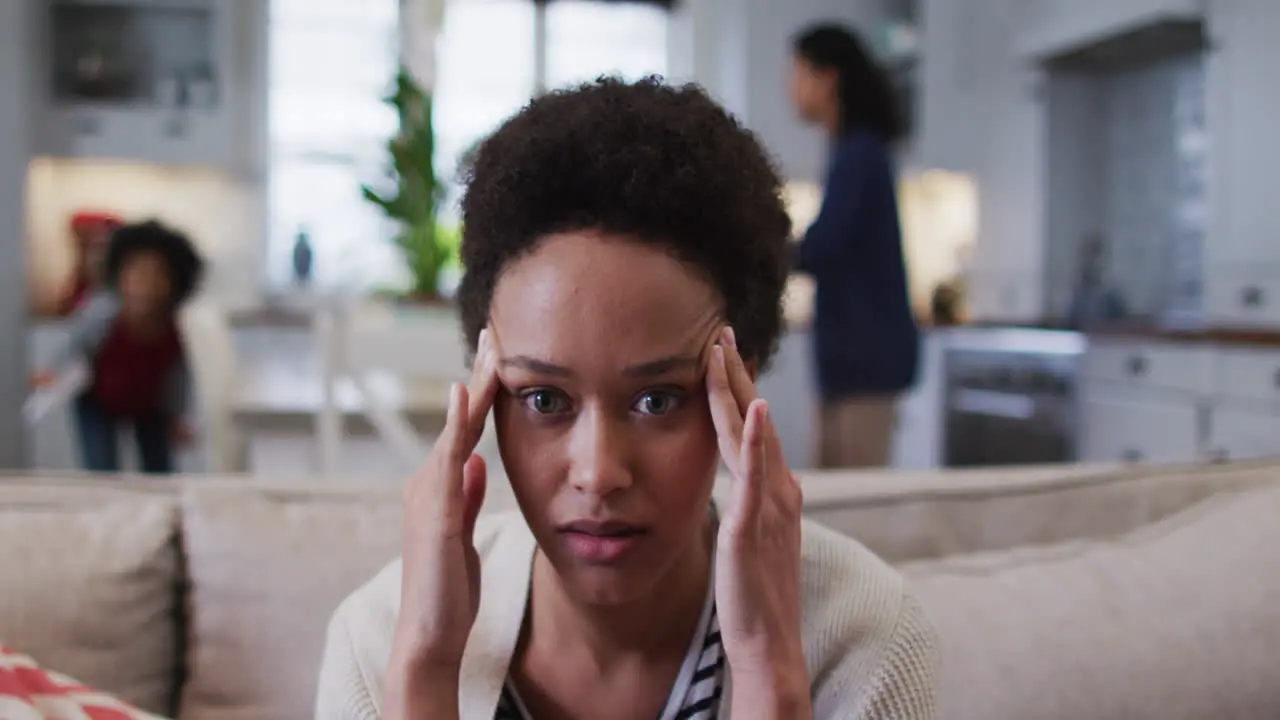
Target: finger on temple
{"type": "Point", "coordinates": [454, 435]}
{"type": "Point", "coordinates": [478, 361]}
{"type": "Point", "coordinates": [724, 410]}
{"type": "Point", "coordinates": [444, 500]}
{"type": "Point", "coordinates": [483, 390]}
{"type": "Point", "coordinates": [473, 489]}
{"type": "Point", "coordinates": [740, 381]}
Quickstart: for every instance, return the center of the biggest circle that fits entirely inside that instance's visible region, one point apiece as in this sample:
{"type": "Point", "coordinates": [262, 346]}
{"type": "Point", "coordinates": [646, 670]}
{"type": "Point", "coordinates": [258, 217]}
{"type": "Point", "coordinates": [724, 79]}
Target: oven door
{"type": "Point", "coordinates": [1006, 427]}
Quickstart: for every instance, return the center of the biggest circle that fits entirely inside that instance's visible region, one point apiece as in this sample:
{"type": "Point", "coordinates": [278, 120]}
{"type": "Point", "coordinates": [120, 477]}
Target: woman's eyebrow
{"type": "Point", "coordinates": [651, 368]}
{"type": "Point", "coordinates": [534, 365]}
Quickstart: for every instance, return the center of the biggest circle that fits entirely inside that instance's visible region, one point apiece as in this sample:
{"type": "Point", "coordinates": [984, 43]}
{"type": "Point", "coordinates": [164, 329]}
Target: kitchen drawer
{"type": "Point", "coordinates": [1167, 366]}
{"type": "Point", "coordinates": [1249, 374]}
{"type": "Point", "coordinates": [1146, 431]}
{"type": "Point", "coordinates": [1237, 433]}
{"type": "Point", "coordinates": [1248, 299]}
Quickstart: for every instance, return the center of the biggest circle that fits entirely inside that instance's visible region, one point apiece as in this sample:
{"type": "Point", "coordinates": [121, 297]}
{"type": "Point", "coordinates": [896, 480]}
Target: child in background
{"type": "Point", "coordinates": [90, 233]}
{"type": "Point", "coordinates": [129, 336]}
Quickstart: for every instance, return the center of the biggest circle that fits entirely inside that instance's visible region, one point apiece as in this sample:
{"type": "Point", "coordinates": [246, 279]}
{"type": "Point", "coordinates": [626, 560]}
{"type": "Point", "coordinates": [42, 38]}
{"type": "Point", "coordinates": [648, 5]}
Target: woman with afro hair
{"type": "Point", "coordinates": [129, 337]}
{"type": "Point", "coordinates": [625, 249]}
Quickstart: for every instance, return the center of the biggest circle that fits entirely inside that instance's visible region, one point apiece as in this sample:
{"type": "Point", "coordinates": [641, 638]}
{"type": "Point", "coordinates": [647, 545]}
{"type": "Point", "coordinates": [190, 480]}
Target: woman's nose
{"type": "Point", "coordinates": [598, 454]}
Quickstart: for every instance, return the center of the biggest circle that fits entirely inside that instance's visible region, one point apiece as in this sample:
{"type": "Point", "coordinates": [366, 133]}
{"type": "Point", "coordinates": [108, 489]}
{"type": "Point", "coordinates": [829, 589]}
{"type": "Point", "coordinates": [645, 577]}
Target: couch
{"type": "Point", "coordinates": [1058, 592]}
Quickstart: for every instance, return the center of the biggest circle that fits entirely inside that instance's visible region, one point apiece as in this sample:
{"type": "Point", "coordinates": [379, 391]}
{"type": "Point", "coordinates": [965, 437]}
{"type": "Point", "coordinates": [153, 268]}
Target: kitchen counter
{"type": "Point", "coordinates": [1228, 336]}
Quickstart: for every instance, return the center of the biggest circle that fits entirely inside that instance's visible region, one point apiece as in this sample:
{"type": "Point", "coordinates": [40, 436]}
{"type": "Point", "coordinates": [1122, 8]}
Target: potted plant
{"type": "Point", "coordinates": [417, 193]}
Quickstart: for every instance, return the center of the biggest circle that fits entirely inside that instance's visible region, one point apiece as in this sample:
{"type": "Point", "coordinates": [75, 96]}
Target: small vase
{"type": "Point", "coordinates": [303, 257]}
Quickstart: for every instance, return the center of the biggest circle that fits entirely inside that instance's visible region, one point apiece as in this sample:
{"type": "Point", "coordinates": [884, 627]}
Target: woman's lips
{"type": "Point", "coordinates": [601, 543]}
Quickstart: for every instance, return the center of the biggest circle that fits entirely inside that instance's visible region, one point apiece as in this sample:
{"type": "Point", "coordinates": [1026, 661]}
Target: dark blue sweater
{"type": "Point", "coordinates": [865, 340]}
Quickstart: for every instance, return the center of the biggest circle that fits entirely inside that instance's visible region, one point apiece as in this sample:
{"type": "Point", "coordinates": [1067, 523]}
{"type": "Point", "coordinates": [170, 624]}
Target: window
{"type": "Point", "coordinates": [588, 39]}
{"type": "Point", "coordinates": [484, 74]}
{"type": "Point", "coordinates": [332, 61]}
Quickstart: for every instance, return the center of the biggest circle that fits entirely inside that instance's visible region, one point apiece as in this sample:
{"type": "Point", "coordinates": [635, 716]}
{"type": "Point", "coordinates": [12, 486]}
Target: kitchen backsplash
{"type": "Point", "coordinates": [1128, 164]}
{"type": "Point", "coordinates": [224, 216]}
{"type": "Point", "coordinates": [1155, 207]}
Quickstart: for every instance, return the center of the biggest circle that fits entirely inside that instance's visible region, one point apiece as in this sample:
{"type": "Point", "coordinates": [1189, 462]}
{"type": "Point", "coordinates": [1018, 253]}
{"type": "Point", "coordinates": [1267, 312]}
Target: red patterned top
{"type": "Point", "coordinates": [131, 372]}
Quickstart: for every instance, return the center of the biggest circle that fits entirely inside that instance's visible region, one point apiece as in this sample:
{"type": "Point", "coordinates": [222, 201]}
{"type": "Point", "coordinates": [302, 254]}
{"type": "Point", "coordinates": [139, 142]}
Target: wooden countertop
{"type": "Point", "coordinates": [1241, 337]}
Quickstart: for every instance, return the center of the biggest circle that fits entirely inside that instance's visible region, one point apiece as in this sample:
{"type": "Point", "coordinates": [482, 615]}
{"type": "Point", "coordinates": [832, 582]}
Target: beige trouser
{"type": "Point", "coordinates": [855, 432]}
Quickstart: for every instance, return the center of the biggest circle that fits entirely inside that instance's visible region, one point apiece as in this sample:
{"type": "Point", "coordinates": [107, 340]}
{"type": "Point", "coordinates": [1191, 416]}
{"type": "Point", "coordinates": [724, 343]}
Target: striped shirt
{"type": "Point", "coordinates": [696, 692]}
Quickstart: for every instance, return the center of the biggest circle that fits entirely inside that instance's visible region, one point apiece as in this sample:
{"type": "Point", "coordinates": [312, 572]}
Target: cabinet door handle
{"type": "Point", "coordinates": [1137, 366]}
{"type": "Point", "coordinates": [1252, 297]}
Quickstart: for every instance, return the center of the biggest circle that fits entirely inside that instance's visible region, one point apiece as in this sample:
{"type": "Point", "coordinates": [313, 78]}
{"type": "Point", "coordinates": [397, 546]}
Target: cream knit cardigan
{"type": "Point", "coordinates": [870, 651]}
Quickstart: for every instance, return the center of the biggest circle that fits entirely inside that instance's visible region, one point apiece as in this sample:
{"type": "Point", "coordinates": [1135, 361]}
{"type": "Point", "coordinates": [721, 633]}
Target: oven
{"type": "Point", "coordinates": [1011, 397]}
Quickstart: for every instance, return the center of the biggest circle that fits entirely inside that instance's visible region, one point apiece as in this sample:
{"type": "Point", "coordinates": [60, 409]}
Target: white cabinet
{"type": "Point", "coordinates": [1243, 295]}
{"type": "Point", "coordinates": [1241, 432]}
{"type": "Point", "coordinates": [1145, 401]}
{"type": "Point", "coordinates": [1127, 426]}
{"type": "Point", "coordinates": [170, 138]}
{"type": "Point", "coordinates": [1172, 402]}
{"type": "Point", "coordinates": [1242, 280]}
{"type": "Point", "coordinates": [1185, 369]}
{"type": "Point", "coordinates": [1059, 27]}
{"type": "Point", "coordinates": [1243, 109]}
{"type": "Point", "coordinates": [163, 81]}
{"type": "Point", "coordinates": [1249, 375]}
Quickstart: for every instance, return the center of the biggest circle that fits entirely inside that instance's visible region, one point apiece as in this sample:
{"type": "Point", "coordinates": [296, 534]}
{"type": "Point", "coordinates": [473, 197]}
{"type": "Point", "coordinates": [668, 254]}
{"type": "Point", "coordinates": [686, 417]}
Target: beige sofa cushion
{"type": "Point", "coordinates": [268, 567]}
{"type": "Point", "coordinates": [913, 516]}
{"type": "Point", "coordinates": [89, 583]}
{"type": "Point", "coordinates": [1179, 619]}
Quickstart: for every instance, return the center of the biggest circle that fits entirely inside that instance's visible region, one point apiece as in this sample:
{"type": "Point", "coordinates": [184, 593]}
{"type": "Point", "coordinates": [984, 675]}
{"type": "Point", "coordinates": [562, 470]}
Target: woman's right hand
{"type": "Point", "coordinates": [440, 585]}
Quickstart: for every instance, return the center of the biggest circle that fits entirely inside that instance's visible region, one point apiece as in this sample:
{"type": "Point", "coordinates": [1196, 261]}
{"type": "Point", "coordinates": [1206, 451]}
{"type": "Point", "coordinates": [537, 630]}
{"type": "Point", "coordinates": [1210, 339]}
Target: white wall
{"type": "Point", "coordinates": [14, 134]}
{"type": "Point", "coordinates": [984, 114]}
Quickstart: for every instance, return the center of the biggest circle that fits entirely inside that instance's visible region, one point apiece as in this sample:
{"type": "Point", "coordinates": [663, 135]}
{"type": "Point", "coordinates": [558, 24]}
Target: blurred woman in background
{"type": "Point", "coordinates": [866, 344]}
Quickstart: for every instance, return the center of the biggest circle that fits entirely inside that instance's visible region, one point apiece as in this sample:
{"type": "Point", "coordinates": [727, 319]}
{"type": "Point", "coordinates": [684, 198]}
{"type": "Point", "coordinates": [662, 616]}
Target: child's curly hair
{"type": "Point", "coordinates": [186, 267]}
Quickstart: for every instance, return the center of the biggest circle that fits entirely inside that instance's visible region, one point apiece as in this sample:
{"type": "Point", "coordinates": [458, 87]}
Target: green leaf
{"type": "Point", "coordinates": [426, 247]}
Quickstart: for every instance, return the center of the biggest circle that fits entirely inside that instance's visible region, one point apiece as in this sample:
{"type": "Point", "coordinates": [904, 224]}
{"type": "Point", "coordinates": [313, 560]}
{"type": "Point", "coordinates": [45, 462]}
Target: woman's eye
{"type": "Point", "coordinates": [545, 402]}
{"type": "Point", "coordinates": [657, 403]}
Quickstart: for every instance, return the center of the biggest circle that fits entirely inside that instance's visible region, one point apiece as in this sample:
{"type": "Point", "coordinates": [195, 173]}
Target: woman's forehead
{"type": "Point", "coordinates": [581, 293]}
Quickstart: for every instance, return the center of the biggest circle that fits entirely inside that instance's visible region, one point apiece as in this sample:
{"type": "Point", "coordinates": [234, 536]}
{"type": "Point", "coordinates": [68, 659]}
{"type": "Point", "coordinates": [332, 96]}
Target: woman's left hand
{"type": "Point", "coordinates": [757, 571]}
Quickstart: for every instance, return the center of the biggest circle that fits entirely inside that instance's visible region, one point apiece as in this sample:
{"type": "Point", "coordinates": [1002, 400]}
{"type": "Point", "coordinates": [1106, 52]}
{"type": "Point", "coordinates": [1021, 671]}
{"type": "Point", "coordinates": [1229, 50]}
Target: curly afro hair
{"type": "Point", "coordinates": [186, 267]}
{"type": "Point", "coordinates": [664, 165]}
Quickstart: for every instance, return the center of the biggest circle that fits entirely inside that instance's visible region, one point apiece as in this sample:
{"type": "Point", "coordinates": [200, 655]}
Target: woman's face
{"type": "Point", "coordinates": [602, 418]}
{"type": "Point", "coordinates": [813, 90]}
